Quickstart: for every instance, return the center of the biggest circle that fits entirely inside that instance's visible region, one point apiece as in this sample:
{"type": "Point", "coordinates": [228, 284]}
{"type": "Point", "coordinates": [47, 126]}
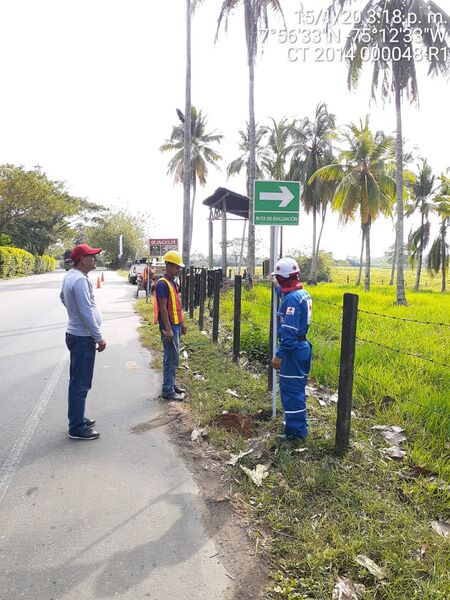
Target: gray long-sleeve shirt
{"type": "Point", "coordinates": [77, 295]}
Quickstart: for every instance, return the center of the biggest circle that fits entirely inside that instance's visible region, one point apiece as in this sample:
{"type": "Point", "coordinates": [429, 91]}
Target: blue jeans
{"type": "Point", "coordinates": [170, 361]}
{"type": "Point", "coordinates": [82, 358]}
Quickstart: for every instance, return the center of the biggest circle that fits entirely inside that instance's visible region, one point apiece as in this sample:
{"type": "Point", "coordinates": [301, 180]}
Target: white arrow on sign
{"type": "Point", "coordinates": [286, 196]}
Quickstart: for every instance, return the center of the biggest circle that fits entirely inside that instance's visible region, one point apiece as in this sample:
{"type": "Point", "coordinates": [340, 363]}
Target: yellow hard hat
{"type": "Point", "coordinates": [173, 257]}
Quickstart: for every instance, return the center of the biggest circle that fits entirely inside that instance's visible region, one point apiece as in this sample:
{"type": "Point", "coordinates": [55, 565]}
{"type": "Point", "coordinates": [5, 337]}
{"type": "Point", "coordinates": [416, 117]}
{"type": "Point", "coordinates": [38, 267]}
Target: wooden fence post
{"type": "Point", "coordinates": [191, 291]}
{"type": "Point", "coordinates": [185, 290]}
{"type": "Point", "coordinates": [215, 329]}
{"type": "Point", "coordinates": [201, 309]}
{"type": "Point", "coordinates": [237, 317]}
{"type": "Point", "coordinates": [348, 340]}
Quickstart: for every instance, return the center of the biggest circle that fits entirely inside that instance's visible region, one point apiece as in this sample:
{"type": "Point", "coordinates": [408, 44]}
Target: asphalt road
{"type": "Point", "coordinates": [118, 517]}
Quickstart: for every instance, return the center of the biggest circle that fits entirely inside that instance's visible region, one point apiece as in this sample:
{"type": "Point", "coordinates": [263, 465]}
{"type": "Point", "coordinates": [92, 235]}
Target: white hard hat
{"type": "Point", "coordinates": [285, 267]}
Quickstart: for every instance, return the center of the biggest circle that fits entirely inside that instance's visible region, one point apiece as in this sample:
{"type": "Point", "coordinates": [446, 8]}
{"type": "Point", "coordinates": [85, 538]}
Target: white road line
{"type": "Point", "coordinates": [15, 456]}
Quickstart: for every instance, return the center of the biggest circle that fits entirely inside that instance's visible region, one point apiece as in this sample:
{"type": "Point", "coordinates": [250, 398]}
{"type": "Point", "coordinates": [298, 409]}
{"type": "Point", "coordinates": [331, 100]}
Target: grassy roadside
{"type": "Point", "coordinates": [315, 512]}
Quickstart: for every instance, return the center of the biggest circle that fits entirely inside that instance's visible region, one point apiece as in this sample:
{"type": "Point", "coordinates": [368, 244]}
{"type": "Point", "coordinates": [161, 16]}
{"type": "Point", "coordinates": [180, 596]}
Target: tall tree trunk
{"type": "Point", "coordinates": [420, 255]}
{"type": "Point", "coordinates": [313, 273]}
{"type": "Point", "coordinates": [444, 254]}
{"type": "Point", "coordinates": [251, 32]}
{"type": "Point", "coordinates": [187, 144]}
{"type": "Point", "coordinates": [394, 259]}
{"type": "Point", "coordinates": [191, 229]}
{"type": "Point", "coordinates": [324, 214]}
{"type": "Point", "coordinates": [358, 280]}
{"type": "Point", "coordinates": [401, 297]}
{"type": "Point", "coordinates": [242, 247]}
{"type": "Point", "coordinates": [367, 270]}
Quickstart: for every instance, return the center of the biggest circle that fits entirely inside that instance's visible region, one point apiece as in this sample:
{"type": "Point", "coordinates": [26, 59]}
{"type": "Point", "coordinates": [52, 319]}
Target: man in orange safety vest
{"type": "Point", "coordinates": [169, 315]}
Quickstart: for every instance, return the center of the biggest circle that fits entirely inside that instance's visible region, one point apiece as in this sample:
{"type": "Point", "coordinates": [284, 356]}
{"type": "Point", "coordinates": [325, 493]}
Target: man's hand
{"type": "Point", "coordinates": [169, 334]}
{"type": "Point", "coordinates": [101, 346]}
{"type": "Point", "coordinates": [183, 329]}
{"type": "Point", "coordinates": [276, 363]}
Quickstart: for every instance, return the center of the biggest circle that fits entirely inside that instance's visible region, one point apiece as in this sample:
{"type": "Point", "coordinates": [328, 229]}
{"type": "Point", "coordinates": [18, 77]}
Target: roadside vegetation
{"type": "Point", "coordinates": [319, 517]}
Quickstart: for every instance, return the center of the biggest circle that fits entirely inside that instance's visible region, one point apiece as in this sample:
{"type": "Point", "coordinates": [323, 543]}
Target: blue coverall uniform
{"type": "Point", "coordinates": [294, 317]}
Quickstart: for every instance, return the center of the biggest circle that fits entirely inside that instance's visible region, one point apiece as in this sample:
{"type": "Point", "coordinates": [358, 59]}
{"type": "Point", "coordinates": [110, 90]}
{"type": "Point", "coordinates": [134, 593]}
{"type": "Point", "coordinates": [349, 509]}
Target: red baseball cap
{"type": "Point", "coordinates": [83, 249]}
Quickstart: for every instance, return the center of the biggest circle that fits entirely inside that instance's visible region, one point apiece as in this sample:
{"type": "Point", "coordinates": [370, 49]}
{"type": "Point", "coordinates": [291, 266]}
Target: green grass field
{"type": "Point", "coordinates": [381, 277]}
{"type": "Point", "coordinates": [407, 384]}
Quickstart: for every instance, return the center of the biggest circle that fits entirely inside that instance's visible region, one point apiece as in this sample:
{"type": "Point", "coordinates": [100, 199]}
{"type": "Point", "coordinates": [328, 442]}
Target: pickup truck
{"type": "Point", "coordinates": [137, 269]}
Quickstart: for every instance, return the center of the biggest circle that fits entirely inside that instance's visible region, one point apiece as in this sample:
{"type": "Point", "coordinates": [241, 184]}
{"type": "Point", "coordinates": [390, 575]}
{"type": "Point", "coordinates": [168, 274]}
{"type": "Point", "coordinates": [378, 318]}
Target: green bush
{"type": "Point", "coordinates": [44, 264]}
{"type": "Point", "coordinates": [324, 266]}
{"type": "Point", "coordinates": [255, 342]}
{"type": "Point", "coordinates": [15, 262]}
{"type": "Point", "coordinates": [5, 240]}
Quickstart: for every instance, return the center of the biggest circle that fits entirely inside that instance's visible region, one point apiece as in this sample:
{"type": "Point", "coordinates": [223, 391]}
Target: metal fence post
{"type": "Point", "coordinates": [348, 340]}
{"type": "Point", "coordinates": [202, 296]}
{"type": "Point", "coordinates": [191, 291]}
{"type": "Point", "coordinates": [237, 317]}
{"type": "Point", "coordinates": [215, 329]}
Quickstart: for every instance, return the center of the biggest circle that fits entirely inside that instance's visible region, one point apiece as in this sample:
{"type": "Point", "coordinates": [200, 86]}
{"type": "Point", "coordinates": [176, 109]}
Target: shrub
{"type": "Point", "coordinates": [44, 264]}
{"type": "Point", "coordinates": [255, 342]}
{"type": "Point", "coordinates": [15, 262]}
{"type": "Point", "coordinates": [324, 266]}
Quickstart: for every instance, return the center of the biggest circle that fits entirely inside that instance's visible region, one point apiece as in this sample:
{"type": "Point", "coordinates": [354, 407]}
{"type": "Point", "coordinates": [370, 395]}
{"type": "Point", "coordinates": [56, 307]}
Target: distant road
{"type": "Point", "coordinates": [119, 517]}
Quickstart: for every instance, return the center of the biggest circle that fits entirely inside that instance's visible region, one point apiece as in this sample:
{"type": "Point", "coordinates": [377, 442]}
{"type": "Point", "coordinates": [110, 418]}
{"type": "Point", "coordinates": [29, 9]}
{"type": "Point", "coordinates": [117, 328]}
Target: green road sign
{"type": "Point", "coordinates": [276, 203]}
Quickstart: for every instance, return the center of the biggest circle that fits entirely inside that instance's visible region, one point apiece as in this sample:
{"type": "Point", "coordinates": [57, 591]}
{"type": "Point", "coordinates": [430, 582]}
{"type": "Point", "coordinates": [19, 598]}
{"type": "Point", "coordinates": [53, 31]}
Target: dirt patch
{"type": "Point", "coordinates": [224, 519]}
{"type": "Point", "coordinates": [234, 422]}
{"type": "Point", "coordinates": [153, 423]}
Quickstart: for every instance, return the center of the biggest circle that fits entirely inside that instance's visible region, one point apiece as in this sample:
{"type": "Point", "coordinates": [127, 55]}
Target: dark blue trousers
{"type": "Point", "coordinates": [82, 358]}
{"type": "Point", "coordinates": [294, 371]}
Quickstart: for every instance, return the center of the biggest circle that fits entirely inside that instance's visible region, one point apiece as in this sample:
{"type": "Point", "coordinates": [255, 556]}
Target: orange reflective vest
{"type": "Point", "coordinates": [173, 303]}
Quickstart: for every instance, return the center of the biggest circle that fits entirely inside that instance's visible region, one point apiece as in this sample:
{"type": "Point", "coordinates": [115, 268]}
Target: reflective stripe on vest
{"type": "Point", "coordinates": [173, 303]}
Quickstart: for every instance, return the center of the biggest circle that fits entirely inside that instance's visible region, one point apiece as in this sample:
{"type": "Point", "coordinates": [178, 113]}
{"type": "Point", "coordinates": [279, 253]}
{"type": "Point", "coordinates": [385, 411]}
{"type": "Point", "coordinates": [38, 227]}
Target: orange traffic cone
{"type": "Point", "coordinates": [102, 278]}
{"type": "Point", "coordinates": [99, 285]}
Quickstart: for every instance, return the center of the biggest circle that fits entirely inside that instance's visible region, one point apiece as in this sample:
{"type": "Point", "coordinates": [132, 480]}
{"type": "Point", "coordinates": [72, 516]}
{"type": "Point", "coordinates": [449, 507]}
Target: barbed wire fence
{"type": "Point", "coordinates": [202, 289]}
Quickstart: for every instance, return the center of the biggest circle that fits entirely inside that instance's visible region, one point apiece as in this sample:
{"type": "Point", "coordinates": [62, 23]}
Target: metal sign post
{"type": "Point", "coordinates": [274, 259]}
{"type": "Point", "coordinates": [276, 203]}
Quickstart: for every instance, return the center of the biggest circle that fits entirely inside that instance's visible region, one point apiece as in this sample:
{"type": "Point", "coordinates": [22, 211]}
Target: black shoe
{"type": "Point", "coordinates": [174, 397]}
{"type": "Point", "coordinates": [289, 438]}
{"type": "Point", "coordinates": [89, 422]}
{"type": "Point", "coordinates": [87, 434]}
{"type": "Point", "coordinates": [179, 390]}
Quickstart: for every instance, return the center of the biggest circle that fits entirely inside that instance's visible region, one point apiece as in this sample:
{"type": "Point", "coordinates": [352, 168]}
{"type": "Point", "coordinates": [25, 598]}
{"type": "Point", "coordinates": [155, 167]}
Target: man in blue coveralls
{"type": "Point", "coordinates": [293, 355]}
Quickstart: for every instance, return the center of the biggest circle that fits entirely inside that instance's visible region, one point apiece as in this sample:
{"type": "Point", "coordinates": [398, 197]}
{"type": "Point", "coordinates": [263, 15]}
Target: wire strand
{"type": "Point", "coordinates": [402, 352]}
{"type": "Point", "coordinates": [367, 312]}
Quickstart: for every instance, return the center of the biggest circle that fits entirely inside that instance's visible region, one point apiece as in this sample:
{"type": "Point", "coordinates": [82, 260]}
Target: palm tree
{"type": "Point", "coordinates": [421, 191]}
{"type": "Point", "coordinates": [313, 150]}
{"type": "Point", "coordinates": [236, 165]}
{"type": "Point", "coordinates": [255, 16]}
{"type": "Point", "coordinates": [278, 148]}
{"type": "Point", "coordinates": [191, 5]}
{"type": "Point", "coordinates": [362, 179]}
{"type": "Point", "coordinates": [396, 33]}
{"type": "Point", "coordinates": [187, 217]}
{"type": "Point", "coordinates": [201, 155]}
{"type": "Point", "coordinates": [438, 257]}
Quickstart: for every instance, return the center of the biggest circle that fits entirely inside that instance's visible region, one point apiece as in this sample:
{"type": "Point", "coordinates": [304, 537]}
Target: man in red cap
{"type": "Point", "coordinates": [83, 337]}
